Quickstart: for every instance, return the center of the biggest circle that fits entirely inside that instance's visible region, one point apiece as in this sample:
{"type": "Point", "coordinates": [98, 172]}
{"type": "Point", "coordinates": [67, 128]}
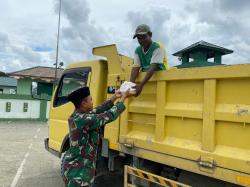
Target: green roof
{"type": "Point", "coordinates": [203, 45]}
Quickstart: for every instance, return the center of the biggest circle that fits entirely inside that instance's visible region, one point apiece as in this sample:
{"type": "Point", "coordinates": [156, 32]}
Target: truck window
{"type": "Point", "coordinates": [70, 81]}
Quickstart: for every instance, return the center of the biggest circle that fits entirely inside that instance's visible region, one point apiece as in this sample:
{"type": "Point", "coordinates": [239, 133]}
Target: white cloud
{"type": "Point", "coordinates": [30, 25]}
{"type": "Point", "coordinates": [227, 25]}
{"type": "Point", "coordinates": [26, 25]}
{"type": "Point", "coordinates": [4, 42]}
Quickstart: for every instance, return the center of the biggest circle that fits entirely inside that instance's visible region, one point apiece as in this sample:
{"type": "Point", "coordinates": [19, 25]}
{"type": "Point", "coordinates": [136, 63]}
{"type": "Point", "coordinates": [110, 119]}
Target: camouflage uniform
{"type": "Point", "coordinates": [80, 160]}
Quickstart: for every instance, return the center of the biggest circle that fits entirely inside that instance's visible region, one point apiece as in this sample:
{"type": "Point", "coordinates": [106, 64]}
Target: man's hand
{"type": "Point", "coordinates": [138, 88]}
{"type": "Point", "coordinates": [126, 95]}
{"type": "Point", "coordinates": [150, 72]}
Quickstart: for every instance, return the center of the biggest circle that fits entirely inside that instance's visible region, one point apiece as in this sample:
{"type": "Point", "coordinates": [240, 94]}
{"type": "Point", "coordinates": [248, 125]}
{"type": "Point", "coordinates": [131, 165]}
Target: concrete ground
{"type": "Point", "coordinates": [24, 161]}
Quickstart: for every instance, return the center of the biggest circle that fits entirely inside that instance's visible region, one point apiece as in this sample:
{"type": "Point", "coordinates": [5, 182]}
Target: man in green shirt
{"type": "Point", "coordinates": [149, 57]}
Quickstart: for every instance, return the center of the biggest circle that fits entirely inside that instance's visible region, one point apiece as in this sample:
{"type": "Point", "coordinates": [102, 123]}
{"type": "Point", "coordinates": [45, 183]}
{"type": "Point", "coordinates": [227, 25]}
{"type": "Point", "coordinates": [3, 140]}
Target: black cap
{"type": "Point", "coordinates": [78, 95]}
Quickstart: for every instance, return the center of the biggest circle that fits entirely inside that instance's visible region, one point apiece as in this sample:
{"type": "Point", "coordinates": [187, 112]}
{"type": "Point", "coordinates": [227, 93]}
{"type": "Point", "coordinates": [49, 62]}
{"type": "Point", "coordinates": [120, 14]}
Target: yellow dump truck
{"type": "Point", "coordinates": [193, 119]}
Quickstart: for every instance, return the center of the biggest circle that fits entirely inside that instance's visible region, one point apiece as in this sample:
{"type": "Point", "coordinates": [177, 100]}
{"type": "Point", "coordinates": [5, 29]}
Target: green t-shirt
{"type": "Point", "coordinates": [155, 55]}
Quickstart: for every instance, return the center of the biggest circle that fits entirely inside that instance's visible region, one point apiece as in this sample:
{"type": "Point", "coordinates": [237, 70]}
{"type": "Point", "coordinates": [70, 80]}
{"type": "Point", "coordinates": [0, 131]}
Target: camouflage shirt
{"type": "Point", "coordinates": [80, 160]}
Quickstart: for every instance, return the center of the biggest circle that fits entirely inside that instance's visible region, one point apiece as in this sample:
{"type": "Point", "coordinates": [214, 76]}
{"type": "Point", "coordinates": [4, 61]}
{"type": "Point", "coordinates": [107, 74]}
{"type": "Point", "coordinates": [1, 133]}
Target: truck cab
{"type": "Point", "coordinates": [102, 84]}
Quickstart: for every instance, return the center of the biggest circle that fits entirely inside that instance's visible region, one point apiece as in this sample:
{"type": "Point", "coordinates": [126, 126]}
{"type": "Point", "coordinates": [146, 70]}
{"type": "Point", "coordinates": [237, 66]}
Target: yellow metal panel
{"type": "Point", "coordinates": [189, 92]}
{"type": "Point", "coordinates": [184, 128]}
{"type": "Point", "coordinates": [233, 113]}
{"type": "Point", "coordinates": [233, 134]}
{"type": "Point", "coordinates": [110, 52]}
{"type": "Point", "coordinates": [201, 73]}
{"type": "Point", "coordinates": [58, 125]}
{"type": "Point", "coordinates": [160, 116]}
{"type": "Point", "coordinates": [208, 115]}
{"type": "Point", "coordinates": [188, 110]}
{"type": "Point", "coordinates": [124, 129]}
{"type": "Point", "coordinates": [111, 132]}
{"type": "Point", "coordinates": [199, 122]}
{"type": "Point", "coordinates": [234, 91]}
{"type": "Point", "coordinates": [243, 180]}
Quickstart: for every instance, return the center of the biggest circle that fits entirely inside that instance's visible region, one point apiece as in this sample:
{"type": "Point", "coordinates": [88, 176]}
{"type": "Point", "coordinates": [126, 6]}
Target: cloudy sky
{"type": "Point", "coordinates": [29, 28]}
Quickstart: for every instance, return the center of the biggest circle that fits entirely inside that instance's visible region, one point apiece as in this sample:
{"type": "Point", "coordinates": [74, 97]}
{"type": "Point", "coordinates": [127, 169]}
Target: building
{"type": "Point", "coordinates": [8, 85]}
{"type": "Point", "coordinates": [201, 54]}
{"type": "Point", "coordinates": [22, 105]}
{"type": "Point", "coordinates": [40, 78]}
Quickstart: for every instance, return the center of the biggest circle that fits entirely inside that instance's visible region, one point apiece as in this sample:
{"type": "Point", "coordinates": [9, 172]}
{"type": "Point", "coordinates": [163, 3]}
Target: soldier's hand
{"type": "Point", "coordinates": [118, 94]}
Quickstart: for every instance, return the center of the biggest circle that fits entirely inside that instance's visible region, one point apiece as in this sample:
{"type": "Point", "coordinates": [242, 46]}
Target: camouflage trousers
{"type": "Point", "coordinates": [72, 184]}
{"type": "Point", "coordinates": [76, 177]}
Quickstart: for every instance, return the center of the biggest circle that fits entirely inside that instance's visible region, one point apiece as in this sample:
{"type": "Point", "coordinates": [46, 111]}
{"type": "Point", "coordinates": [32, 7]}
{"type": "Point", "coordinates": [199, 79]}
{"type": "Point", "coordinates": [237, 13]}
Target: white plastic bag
{"type": "Point", "coordinates": [127, 85]}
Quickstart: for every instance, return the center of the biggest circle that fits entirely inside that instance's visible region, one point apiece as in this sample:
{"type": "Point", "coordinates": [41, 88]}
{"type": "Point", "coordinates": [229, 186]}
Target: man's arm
{"type": "Point", "coordinates": [149, 74]}
{"type": "Point", "coordinates": [136, 68]}
{"type": "Point", "coordinates": [134, 73]}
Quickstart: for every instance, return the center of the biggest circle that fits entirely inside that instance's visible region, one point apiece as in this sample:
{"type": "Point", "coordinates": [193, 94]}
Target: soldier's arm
{"type": "Point", "coordinates": [103, 107]}
{"type": "Point", "coordinates": [106, 105]}
{"type": "Point", "coordinates": [95, 121]}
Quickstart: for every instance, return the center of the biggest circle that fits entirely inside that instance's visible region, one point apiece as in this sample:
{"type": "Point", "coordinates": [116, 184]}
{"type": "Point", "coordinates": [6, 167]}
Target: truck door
{"type": "Point", "coordinates": [61, 109]}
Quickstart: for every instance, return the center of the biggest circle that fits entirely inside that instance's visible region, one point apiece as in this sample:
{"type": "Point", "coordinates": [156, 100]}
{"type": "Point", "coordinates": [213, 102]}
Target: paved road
{"type": "Point", "coordinates": [24, 162]}
{"type": "Point", "coordinates": [23, 159]}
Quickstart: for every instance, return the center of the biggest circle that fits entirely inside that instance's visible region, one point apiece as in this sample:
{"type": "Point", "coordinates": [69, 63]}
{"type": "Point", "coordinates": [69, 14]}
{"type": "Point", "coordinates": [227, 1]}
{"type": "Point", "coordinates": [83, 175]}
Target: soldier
{"type": "Point", "coordinates": [79, 162]}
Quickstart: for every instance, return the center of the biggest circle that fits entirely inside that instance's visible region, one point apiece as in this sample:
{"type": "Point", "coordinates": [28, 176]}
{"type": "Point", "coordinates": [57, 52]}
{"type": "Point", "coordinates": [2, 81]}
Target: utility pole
{"type": "Point", "coordinates": [58, 37]}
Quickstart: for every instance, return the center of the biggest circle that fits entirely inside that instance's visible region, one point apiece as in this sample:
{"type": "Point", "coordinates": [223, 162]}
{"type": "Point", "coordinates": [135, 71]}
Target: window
{"type": "Point", "coordinates": [70, 81]}
{"type": "Point", "coordinates": [1, 91]}
{"type": "Point", "coordinates": [8, 107]}
{"type": "Point", "coordinates": [25, 107]}
{"type": "Point", "coordinates": [12, 91]}
{"type": "Point", "coordinates": [211, 59]}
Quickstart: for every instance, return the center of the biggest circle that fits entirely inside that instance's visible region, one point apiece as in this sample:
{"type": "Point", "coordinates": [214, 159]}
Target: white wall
{"type": "Point", "coordinates": [17, 109]}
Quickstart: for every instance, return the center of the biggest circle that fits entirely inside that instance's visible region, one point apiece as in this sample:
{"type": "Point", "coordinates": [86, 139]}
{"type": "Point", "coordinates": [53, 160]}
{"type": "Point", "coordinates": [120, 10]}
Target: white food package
{"type": "Point", "coordinates": [127, 85]}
